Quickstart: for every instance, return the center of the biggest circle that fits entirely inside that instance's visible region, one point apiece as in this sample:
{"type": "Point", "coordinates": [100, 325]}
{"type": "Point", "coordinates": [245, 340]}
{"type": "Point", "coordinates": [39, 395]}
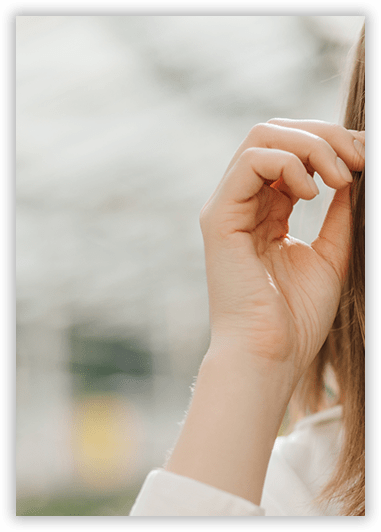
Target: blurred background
{"type": "Point", "coordinates": [124, 127]}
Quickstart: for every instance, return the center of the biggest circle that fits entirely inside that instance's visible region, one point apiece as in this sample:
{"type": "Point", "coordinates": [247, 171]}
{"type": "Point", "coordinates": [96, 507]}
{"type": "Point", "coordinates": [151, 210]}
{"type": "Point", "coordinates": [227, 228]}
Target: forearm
{"type": "Point", "coordinates": [231, 426]}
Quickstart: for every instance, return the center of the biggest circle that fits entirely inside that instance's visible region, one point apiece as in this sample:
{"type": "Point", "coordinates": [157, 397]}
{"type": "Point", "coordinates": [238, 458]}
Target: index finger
{"type": "Point", "coordinates": [349, 144]}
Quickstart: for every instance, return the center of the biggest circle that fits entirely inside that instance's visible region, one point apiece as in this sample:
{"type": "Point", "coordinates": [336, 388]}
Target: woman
{"type": "Point", "coordinates": [282, 313]}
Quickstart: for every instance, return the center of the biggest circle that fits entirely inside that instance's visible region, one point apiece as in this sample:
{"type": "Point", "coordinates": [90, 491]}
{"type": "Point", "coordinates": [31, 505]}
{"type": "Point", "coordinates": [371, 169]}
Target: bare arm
{"type": "Point", "coordinates": [230, 429]}
{"type": "Point", "coordinates": [272, 298]}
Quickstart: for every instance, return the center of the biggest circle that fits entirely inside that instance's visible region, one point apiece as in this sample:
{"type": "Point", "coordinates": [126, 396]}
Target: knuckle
{"type": "Point", "coordinates": [322, 144]}
{"type": "Point", "coordinates": [247, 155]}
{"type": "Point", "coordinates": [259, 129]}
{"type": "Point", "coordinates": [336, 129]}
{"type": "Point", "coordinates": [275, 121]}
{"type": "Point", "coordinates": [247, 159]}
{"type": "Point", "coordinates": [294, 161]}
{"type": "Point", "coordinates": [337, 134]}
{"type": "Point", "coordinates": [294, 165]}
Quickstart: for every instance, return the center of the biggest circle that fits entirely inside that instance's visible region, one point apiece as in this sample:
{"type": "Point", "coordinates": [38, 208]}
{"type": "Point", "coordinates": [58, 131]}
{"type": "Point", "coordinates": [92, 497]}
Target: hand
{"type": "Point", "coordinates": [272, 296]}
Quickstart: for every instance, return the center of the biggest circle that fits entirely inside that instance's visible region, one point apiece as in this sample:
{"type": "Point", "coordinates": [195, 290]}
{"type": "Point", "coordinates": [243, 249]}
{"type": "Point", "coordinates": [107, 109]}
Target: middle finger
{"type": "Point", "coordinates": [313, 150]}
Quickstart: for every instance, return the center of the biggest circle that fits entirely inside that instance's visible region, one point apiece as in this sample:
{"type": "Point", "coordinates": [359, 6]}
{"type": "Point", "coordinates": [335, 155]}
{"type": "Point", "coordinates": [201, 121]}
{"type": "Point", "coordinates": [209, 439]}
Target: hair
{"type": "Point", "coordinates": [343, 353]}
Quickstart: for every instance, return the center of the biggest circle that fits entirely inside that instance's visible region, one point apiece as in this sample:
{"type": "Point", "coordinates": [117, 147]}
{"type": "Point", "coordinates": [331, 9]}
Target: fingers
{"type": "Point", "coordinates": [255, 165]}
{"type": "Point", "coordinates": [314, 152]}
{"type": "Point", "coordinates": [330, 150]}
{"type": "Point", "coordinates": [286, 153]}
{"type": "Point", "coordinates": [333, 242]}
{"type": "Point", "coordinates": [235, 206]}
{"type": "Point", "coordinates": [348, 144]}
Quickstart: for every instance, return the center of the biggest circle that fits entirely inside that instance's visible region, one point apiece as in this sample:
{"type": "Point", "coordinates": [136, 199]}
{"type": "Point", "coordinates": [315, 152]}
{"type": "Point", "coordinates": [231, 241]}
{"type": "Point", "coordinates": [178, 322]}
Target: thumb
{"type": "Point", "coordinates": [333, 242]}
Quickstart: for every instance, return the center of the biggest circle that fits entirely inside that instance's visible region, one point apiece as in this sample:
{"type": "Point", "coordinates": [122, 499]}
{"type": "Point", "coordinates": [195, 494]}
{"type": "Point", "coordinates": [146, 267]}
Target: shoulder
{"type": "Point", "coordinates": [301, 463]}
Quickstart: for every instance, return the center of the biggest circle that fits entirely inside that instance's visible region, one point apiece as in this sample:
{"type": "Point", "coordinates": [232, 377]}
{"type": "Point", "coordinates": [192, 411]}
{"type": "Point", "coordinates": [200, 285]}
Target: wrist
{"type": "Point", "coordinates": [236, 359]}
{"type": "Point", "coordinates": [233, 421]}
{"type": "Point", "coordinates": [260, 395]}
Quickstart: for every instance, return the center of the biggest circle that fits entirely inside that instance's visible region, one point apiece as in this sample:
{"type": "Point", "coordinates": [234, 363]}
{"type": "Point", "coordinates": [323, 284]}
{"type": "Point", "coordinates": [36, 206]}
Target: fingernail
{"type": "Point", "coordinates": [313, 185]}
{"type": "Point", "coordinates": [344, 171]}
{"type": "Point", "coordinates": [360, 148]}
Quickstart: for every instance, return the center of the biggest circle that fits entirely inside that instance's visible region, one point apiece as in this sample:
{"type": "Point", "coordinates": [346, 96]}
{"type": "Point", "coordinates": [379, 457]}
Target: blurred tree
{"type": "Point", "coordinates": [93, 359]}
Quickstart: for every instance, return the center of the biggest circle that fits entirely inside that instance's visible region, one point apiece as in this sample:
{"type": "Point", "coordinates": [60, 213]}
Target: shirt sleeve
{"type": "Point", "coordinates": [167, 494]}
{"type": "Point", "coordinates": [300, 464]}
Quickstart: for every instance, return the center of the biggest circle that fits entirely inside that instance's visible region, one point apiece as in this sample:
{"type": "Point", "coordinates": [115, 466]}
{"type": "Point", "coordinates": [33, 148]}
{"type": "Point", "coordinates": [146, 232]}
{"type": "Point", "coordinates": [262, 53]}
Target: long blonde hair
{"type": "Point", "coordinates": [344, 350]}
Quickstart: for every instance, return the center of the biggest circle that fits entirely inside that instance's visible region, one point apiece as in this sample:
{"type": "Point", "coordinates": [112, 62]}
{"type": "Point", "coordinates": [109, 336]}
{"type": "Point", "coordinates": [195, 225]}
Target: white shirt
{"type": "Point", "coordinates": [300, 464]}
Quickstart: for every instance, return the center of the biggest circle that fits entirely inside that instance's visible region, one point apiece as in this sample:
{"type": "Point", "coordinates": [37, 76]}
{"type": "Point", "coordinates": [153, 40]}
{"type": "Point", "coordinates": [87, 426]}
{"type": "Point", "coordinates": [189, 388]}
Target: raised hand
{"type": "Point", "coordinates": [272, 297]}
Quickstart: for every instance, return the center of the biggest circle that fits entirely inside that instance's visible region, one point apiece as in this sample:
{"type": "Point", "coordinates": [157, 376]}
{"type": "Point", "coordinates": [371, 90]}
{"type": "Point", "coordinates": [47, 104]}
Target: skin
{"type": "Point", "coordinates": [272, 298]}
